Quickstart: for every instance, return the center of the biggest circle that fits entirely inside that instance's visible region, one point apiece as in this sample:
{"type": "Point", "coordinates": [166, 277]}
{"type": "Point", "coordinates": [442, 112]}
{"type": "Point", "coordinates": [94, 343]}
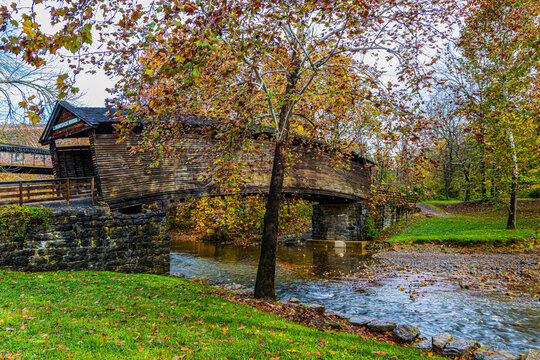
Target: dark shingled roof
{"type": "Point", "coordinates": [90, 115]}
{"type": "Point", "coordinates": [93, 115]}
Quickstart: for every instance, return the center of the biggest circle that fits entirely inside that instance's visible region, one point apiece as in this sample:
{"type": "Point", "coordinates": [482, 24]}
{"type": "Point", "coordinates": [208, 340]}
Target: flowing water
{"type": "Point", "coordinates": [322, 273]}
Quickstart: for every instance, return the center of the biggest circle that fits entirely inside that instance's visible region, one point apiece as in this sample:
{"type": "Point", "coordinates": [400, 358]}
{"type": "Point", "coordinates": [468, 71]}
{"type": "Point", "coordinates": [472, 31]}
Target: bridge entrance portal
{"type": "Point", "coordinates": [74, 161]}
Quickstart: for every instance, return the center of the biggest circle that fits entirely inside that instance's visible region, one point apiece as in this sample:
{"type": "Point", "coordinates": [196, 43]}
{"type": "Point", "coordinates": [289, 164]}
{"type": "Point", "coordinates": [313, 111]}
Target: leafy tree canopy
{"type": "Point", "coordinates": [312, 67]}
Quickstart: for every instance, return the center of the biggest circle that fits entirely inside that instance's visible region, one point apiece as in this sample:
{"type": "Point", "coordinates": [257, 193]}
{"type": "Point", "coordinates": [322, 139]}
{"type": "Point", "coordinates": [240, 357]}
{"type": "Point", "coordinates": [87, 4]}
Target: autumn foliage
{"type": "Point", "coordinates": [239, 219]}
{"type": "Point", "coordinates": [314, 68]}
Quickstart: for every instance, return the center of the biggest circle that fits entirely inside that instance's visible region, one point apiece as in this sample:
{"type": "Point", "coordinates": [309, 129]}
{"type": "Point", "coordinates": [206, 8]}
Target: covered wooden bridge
{"type": "Point", "coordinates": [88, 162]}
{"type": "Point", "coordinates": [21, 159]}
{"type": "Point", "coordinates": [122, 181]}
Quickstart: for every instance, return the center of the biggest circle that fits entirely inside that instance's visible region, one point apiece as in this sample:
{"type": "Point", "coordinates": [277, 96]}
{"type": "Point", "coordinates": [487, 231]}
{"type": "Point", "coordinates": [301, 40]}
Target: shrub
{"type": "Point", "coordinates": [16, 220]}
{"type": "Point", "coordinates": [535, 193]}
{"type": "Point", "coordinates": [239, 218]}
{"type": "Point", "coordinates": [370, 230]}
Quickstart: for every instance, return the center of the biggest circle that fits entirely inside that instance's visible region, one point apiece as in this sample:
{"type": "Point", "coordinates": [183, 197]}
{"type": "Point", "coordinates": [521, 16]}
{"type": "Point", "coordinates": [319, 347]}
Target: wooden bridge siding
{"type": "Point", "coordinates": [14, 158]}
{"type": "Point", "coordinates": [316, 172]}
{"type": "Point", "coordinates": [123, 179]}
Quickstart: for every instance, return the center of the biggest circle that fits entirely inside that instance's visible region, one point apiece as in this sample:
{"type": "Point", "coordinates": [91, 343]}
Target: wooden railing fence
{"type": "Point", "coordinates": [21, 192]}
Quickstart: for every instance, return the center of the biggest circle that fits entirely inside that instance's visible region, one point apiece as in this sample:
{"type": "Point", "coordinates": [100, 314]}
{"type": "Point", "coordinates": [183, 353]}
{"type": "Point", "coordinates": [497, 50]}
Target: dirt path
{"type": "Point", "coordinates": [426, 210]}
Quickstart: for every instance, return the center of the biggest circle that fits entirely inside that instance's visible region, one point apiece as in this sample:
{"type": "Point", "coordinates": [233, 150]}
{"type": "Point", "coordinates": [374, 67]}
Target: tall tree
{"type": "Point", "coordinates": [460, 90]}
{"type": "Point", "coordinates": [449, 126]}
{"type": "Point", "coordinates": [501, 44]}
{"type": "Point", "coordinates": [279, 66]}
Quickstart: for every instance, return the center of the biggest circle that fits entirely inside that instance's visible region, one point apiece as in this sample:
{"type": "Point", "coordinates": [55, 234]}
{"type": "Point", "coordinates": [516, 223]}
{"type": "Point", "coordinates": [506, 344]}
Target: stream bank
{"type": "Point", "coordinates": [332, 274]}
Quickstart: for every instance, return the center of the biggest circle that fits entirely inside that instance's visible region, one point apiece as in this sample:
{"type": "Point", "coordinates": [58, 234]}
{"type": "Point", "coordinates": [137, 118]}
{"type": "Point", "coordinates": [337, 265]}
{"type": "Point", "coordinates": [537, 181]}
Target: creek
{"type": "Point", "coordinates": [323, 272]}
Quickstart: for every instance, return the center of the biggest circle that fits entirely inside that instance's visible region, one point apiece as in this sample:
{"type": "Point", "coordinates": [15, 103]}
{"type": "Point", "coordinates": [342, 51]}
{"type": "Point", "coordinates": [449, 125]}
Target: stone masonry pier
{"type": "Point", "coordinates": [347, 221]}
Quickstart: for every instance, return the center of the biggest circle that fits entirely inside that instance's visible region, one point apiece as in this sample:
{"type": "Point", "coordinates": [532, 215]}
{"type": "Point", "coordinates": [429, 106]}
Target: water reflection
{"type": "Point", "coordinates": [322, 258]}
{"type": "Point", "coordinates": [321, 272]}
{"type": "Point", "coordinates": [337, 258]}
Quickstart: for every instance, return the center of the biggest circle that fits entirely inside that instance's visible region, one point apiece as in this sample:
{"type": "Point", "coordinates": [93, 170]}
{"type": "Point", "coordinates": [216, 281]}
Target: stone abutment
{"type": "Point", "coordinates": [90, 240]}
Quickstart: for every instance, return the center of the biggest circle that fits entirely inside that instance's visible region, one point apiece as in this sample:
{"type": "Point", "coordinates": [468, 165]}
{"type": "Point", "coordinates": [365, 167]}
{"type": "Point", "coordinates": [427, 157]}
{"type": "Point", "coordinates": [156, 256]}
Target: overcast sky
{"type": "Point", "coordinates": [93, 88]}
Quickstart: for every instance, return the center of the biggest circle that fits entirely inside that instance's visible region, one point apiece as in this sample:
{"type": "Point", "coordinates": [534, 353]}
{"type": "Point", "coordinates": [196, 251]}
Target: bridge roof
{"type": "Point", "coordinates": [16, 148]}
{"type": "Point", "coordinates": [90, 116]}
{"type": "Point", "coordinates": [93, 116]}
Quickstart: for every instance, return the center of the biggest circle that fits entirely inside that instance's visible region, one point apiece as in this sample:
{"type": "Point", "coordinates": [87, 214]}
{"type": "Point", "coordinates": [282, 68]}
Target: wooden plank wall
{"type": "Point", "coordinates": [123, 177]}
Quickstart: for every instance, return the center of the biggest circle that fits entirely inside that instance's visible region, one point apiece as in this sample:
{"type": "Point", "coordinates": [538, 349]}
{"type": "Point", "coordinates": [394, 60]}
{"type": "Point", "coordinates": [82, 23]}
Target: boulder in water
{"type": "Point", "coordinates": [439, 341]}
{"type": "Point", "coordinates": [360, 320]}
{"type": "Point", "coordinates": [233, 286]}
{"type": "Point", "coordinates": [423, 345]}
{"type": "Point", "coordinates": [487, 353]}
{"type": "Point", "coordinates": [406, 333]}
{"type": "Point", "coordinates": [460, 348]}
{"type": "Point", "coordinates": [289, 300]}
{"type": "Point", "coordinates": [533, 355]}
{"type": "Point", "coordinates": [319, 309]}
{"type": "Point", "coordinates": [334, 325]}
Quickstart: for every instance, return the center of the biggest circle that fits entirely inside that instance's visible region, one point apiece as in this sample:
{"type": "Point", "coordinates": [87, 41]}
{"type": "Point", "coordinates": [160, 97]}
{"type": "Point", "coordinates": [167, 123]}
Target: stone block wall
{"type": "Point", "coordinates": [343, 222]}
{"type": "Point", "coordinates": [388, 215]}
{"type": "Point", "coordinates": [91, 240]}
{"type": "Point", "coordinates": [346, 221]}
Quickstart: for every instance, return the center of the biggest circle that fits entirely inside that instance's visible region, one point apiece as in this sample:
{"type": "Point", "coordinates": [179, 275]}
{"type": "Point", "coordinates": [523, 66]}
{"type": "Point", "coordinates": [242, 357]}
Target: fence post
{"type": "Point", "coordinates": [67, 191]}
{"type": "Point", "coordinates": [20, 193]}
{"type": "Point", "coordinates": [93, 186]}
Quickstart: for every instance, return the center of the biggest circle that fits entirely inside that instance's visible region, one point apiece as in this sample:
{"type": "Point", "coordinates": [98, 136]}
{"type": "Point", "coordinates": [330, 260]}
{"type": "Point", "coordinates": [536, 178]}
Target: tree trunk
{"type": "Point", "coordinates": [450, 171]}
{"type": "Point", "coordinates": [512, 210]}
{"type": "Point", "coordinates": [468, 186]}
{"type": "Point", "coordinates": [264, 285]}
{"type": "Point", "coordinates": [494, 190]}
{"type": "Point", "coordinates": [266, 271]}
{"type": "Point", "coordinates": [483, 180]}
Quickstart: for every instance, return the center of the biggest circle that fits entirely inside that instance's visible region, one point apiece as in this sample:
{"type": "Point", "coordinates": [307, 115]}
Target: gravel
{"type": "Point", "coordinates": [501, 272]}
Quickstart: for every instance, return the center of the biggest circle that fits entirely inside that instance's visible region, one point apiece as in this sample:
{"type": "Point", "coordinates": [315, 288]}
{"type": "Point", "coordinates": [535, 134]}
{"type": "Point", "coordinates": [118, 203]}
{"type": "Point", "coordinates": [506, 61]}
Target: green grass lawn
{"type": "Point", "coordinates": [465, 230]}
{"type": "Point", "coordinates": [100, 315]}
{"type": "Point", "coordinates": [472, 227]}
{"type": "Point", "coordinates": [441, 202]}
